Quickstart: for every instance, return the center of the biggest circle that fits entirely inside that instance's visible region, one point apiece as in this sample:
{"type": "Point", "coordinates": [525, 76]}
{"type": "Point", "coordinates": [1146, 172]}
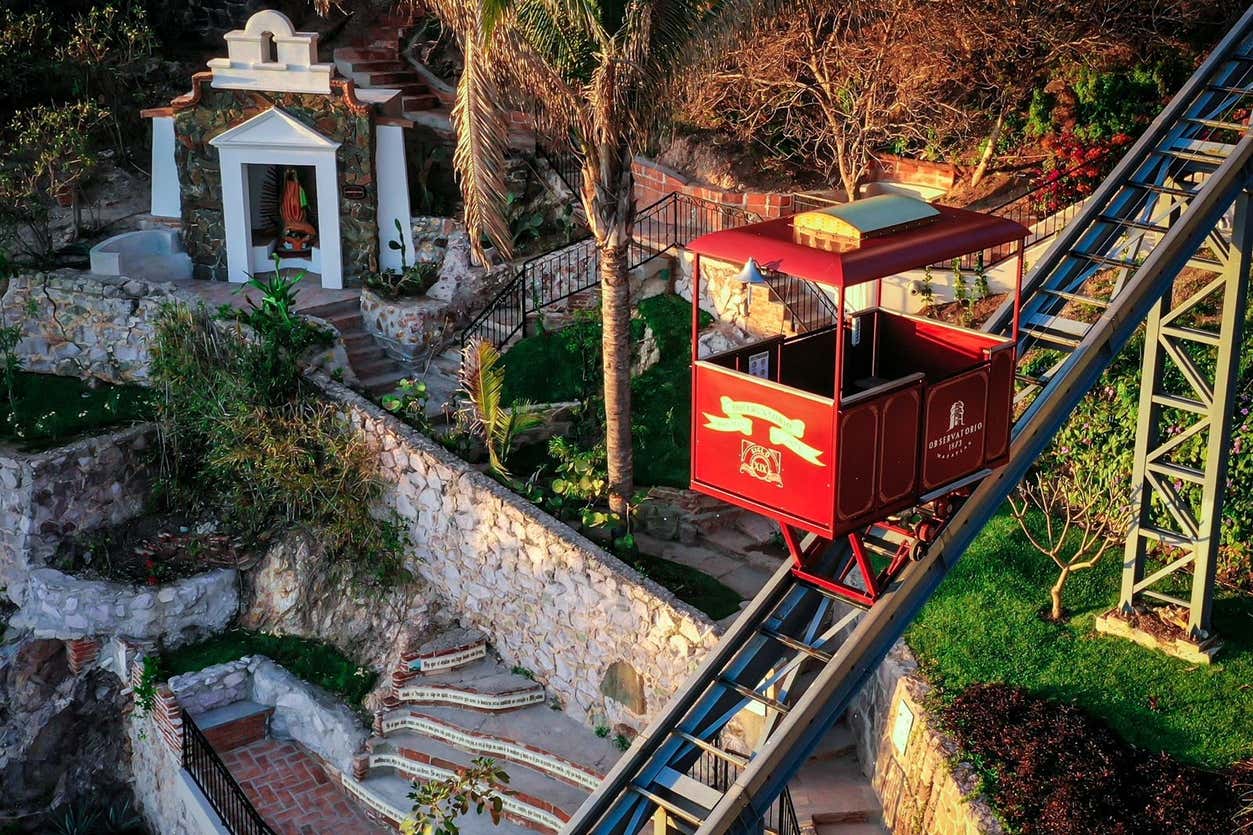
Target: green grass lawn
{"type": "Point", "coordinates": [48, 410]}
{"type": "Point", "coordinates": [983, 625]}
{"type": "Point", "coordinates": [565, 365]}
{"type": "Point", "coordinates": [313, 661]}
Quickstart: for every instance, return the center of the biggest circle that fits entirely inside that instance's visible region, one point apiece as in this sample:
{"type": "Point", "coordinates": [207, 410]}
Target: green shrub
{"type": "Point", "coordinates": [244, 436]}
{"type": "Point", "coordinates": [314, 661]}
{"type": "Point", "coordinates": [413, 280]}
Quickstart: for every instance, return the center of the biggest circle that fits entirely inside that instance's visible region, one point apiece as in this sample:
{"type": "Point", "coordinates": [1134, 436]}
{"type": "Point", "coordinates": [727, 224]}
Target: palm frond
{"type": "Point", "coordinates": [479, 157]}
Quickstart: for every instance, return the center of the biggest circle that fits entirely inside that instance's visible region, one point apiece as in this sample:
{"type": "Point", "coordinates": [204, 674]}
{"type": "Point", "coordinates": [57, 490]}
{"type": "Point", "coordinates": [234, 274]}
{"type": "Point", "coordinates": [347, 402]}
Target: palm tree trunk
{"type": "Point", "coordinates": [616, 350]}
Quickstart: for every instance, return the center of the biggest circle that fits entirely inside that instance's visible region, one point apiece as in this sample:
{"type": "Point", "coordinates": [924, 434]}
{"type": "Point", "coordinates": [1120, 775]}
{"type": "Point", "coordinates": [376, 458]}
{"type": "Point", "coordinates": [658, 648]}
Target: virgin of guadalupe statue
{"type": "Point", "coordinates": [298, 234]}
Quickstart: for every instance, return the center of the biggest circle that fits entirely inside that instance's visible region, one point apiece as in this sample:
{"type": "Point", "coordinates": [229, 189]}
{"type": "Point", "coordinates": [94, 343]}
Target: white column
{"type": "Point", "coordinates": [166, 199]}
{"type": "Point", "coordinates": [328, 220]}
{"type": "Point", "coordinates": [236, 218]}
{"type": "Point", "coordinates": [392, 179]}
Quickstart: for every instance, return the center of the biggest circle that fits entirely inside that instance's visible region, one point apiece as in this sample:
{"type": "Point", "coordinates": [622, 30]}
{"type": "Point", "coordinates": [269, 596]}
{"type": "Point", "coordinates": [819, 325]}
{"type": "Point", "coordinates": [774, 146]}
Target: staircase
{"type": "Point", "coordinates": [452, 702]}
{"type": "Point", "coordinates": [377, 372]}
{"type": "Point", "coordinates": [380, 63]}
{"type": "Point", "coordinates": [830, 793]}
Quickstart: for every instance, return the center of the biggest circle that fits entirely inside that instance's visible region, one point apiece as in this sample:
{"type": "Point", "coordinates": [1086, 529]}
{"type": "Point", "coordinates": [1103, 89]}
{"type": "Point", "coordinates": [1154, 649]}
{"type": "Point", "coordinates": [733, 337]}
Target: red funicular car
{"type": "Point", "coordinates": [840, 429]}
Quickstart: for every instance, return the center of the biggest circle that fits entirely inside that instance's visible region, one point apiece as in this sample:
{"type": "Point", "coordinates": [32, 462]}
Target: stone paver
{"type": "Point", "coordinates": [293, 792]}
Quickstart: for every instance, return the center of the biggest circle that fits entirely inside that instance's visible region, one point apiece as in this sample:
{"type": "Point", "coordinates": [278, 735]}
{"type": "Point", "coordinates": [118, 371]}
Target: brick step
{"type": "Point", "coordinates": [388, 64]}
{"type": "Point", "coordinates": [389, 79]}
{"type": "Point", "coordinates": [852, 829]}
{"type": "Point", "coordinates": [429, 101]}
{"type": "Point", "coordinates": [537, 798]}
{"type": "Point", "coordinates": [483, 685]}
{"type": "Point", "coordinates": [332, 309]}
{"type": "Point", "coordinates": [360, 53]}
{"type": "Point", "coordinates": [387, 793]}
{"type": "Point", "coordinates": [537, 737]}
{"type": "Point", "coordinates": [234, 725]}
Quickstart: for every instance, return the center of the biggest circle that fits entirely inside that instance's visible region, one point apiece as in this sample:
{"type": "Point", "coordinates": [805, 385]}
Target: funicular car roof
{"type": "Point", "coordinates": [954, 233]}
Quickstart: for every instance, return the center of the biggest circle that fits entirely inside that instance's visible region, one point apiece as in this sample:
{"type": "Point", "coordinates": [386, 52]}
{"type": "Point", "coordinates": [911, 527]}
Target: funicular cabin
{"type": "Point", "coordinates": [872, 412]}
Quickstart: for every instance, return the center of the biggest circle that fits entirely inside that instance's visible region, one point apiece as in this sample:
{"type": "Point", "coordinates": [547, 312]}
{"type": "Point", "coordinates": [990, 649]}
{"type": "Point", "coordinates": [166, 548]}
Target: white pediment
{"type": "Point", "coordinates": [273, 129]}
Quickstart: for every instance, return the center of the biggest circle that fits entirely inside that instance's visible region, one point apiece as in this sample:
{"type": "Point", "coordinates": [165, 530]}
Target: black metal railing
{"type": "Point", "coordinates": [219, 787]}
{"type": "Point", "coordinates": [719, 772]}
{"type": "Point", "coordinates": [807, 305]}
{"type": "Point", "coordinates": [540, 282]}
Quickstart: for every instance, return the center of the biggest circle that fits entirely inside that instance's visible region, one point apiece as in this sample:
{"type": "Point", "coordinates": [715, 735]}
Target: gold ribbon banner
{"type": "Point", "coordinates": [785, 432]}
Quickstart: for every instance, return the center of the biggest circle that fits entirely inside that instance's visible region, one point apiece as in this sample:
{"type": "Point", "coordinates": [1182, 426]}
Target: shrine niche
{"type": "Point", "coordinates": [273, 156]}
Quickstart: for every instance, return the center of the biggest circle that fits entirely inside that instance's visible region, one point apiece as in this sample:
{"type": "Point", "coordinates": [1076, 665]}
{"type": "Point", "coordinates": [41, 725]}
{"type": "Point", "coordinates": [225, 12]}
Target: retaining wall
{"type": "Point", "coordinates": [550, 600]}
{"type": "Point", "coordinates": [57, 605]}
{"type": "Point", "coordinates": [909, 760]}
{"type": "Point", "coordinates": [74, 489]}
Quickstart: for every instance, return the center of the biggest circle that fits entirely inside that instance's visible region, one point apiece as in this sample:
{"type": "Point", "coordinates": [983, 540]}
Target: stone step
{"type": "Point", "coordinates": [483, 685]}
{"type": "Point", "coordinates": [536, 736]}
{"type": "Point", "coordinates": [448, 650]}
{"type": "Point", "coordinates": [330, 310]}
{"type": "Point", "coordinates": [368, 367]}
{"type": "Point", "coordinates": [387, 794]}
{"type": "Point", "coordinates": [541, 798]}
{"type": "Point", "coordinates": [354, 340]}
{"type": "Point", "coordinates": [234, 725]}
{"type": "Point", "coordinates": [384, 383]}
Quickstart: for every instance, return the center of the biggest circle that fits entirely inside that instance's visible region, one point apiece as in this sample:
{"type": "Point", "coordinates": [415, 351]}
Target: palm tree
{"type": "Point", "coordinates": [595, 76]}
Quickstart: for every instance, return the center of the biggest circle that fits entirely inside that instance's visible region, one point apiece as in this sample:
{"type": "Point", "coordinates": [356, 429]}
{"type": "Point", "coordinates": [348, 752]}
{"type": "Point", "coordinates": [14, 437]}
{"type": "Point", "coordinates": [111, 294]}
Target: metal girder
{"type": "Point", "coordinates": [1178, 504]}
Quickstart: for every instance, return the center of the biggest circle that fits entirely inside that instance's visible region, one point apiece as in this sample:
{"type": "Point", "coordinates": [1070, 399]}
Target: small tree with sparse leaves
{"type": "Point", "coordinates": [1084, 518]}
{"type": "Point", "coordinates": [437, 804]}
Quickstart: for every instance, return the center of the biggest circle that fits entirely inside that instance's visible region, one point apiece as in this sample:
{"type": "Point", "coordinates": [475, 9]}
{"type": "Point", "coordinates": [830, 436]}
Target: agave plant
{"type": "Point", "coordinates": [484, 410]}
{"type": "Point", "coordinates": [278, 296]}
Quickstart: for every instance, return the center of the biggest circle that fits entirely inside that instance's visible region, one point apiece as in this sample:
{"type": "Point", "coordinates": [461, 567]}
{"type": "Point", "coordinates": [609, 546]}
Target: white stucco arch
{"type": "Point", "coordinates": [277, 138]}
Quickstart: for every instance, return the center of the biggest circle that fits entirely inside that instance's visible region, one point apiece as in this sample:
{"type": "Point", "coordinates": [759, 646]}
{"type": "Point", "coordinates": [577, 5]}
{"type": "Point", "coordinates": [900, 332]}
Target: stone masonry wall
{"type": "Point", "coordinates": [910, 761]}
{"type": "Point", "coordinates": [302, 711]}
{"type": "Point", "coordinates": [84, 325]}
{"type": "Point", "coordinates": [73, 489]}
{"type": "Point", "coordinates": [56, 605]}
{"type": "Point", "coordinates": [550, 600]}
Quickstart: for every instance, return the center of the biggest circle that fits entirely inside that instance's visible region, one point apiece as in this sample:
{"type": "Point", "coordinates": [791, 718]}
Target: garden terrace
{"type": "Point", "coordinates": [45, 411]}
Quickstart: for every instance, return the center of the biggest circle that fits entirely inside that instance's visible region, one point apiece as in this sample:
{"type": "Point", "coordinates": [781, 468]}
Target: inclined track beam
{"type": "Point", "coordinates": [1164, 199]}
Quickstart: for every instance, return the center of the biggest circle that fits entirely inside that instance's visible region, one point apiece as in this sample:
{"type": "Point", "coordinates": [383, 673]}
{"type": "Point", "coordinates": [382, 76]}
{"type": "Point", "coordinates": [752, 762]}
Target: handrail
{"type": "Point", "coordinates": [544, 280]}
{"type": "Point", "coordinates": [214, 779]}
{"type": "Point", "coordinates": [813, 310]}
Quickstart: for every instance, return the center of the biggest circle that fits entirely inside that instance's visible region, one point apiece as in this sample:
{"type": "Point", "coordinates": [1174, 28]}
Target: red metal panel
{"type": "Point", "coordinates": [1000, 404]}
{"type": "Point", "coordinates": [955, 428]}
{"type": "Point", "coordinates": [898, 458]}
{"type": "Point", "coordinates": [857, 446]}
{"type": "Point", "coordinates": [955, 233]}
{"type": "Point", "coordinates": [768, 444]}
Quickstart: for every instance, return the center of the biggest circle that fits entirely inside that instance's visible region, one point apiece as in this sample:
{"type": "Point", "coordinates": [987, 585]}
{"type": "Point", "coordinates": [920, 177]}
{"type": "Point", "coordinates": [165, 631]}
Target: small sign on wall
{"type": "Point", "coordinates": [902, 728]}
{"type": "Point", "coordinates": [354, 192]}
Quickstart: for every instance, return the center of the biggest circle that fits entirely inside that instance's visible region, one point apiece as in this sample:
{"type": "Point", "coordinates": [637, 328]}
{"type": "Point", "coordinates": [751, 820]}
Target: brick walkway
{"type": "Point", "coordinates": [293, 793]}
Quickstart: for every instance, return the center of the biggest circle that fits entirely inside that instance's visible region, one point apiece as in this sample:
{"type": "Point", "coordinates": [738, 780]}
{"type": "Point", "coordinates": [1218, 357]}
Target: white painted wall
{"type": "Point", "coordinates": [393, 195]}
{"type": "Point", "coordinates": [166, 199]}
